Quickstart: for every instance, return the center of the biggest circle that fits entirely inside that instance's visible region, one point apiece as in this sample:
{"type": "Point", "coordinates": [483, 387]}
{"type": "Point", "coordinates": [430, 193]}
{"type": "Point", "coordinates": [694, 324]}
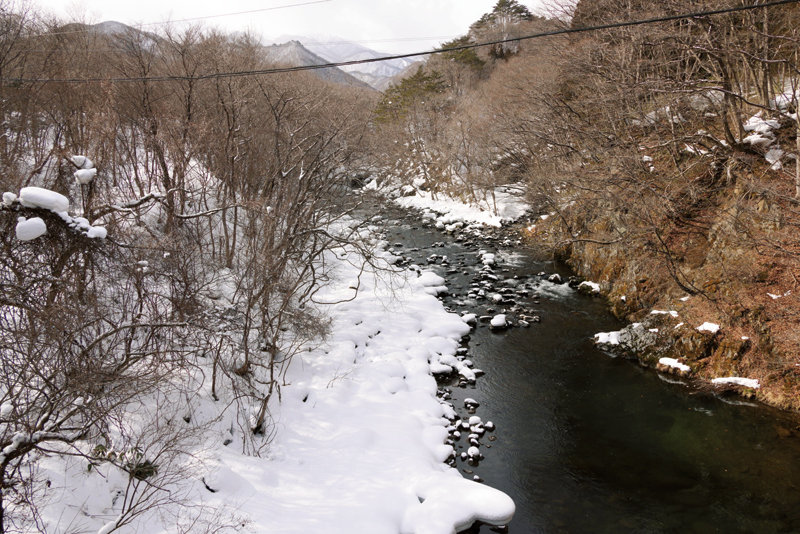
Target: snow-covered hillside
{"type": "Point", "coordinates": [295, 54]}
{"type": "Point", "coordinates": [336, 49]}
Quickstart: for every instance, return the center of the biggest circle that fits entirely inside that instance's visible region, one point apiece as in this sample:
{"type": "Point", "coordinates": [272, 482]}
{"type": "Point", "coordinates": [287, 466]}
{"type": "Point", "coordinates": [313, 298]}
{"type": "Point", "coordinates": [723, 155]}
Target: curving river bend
{"type": "Point", "coordinates": [588, 443]}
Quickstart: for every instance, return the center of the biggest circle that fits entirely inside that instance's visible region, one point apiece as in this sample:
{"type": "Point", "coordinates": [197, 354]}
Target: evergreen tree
{"type": "Point", "coordinates": [399, 99]}
{"type": "Point", "coordinates": [466, 57]}
{"type": "Point", "coordinates": [505, 12]}
{"type": "Point", "coordinates": [498, 24]}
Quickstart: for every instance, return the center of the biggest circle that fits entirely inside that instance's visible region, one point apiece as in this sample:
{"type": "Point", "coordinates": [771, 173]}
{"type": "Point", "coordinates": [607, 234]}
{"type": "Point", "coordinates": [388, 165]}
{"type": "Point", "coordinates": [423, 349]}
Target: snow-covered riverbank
{"type": "Point", "coordinates": [359, 444]}
{"type": "Point", "coordinates": [357, 440]}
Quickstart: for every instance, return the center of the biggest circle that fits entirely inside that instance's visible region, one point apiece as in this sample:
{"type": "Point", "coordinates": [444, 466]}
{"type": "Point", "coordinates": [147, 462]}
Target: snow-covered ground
{"type": "Point", "coordinates": [358, 437]}
{"type": "Point", "coordinates": [360, 441]}
{"type": "Point", "coordinates": [508, 205]}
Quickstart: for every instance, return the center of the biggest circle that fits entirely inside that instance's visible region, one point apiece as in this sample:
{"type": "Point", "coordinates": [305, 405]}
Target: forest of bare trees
{"type": "Point", "coordinates": [218, 195]}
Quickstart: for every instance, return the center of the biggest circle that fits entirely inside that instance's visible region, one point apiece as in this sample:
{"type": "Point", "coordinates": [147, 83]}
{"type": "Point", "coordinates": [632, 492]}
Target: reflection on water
{"type": "Point", "coordinates": [586, 443]}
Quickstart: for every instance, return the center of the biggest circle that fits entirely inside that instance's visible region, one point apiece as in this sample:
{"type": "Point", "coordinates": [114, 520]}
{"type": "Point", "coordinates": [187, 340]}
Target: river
{"type": "Point", "coordinates": [589, 443]}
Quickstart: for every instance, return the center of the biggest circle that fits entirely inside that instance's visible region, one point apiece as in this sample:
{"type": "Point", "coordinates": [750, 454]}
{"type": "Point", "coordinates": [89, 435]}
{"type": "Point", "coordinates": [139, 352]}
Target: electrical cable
{"type": "Point", "coordinates": [299, 68]}
{"type": "Point", "coordinates": [86, 30]}
{"type": "Point", "coordinates": [238, 13]}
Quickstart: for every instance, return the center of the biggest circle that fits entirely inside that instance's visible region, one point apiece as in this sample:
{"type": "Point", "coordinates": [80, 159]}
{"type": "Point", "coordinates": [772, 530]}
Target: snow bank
{"type": "Point", "coordinates": [672, 362]}
{"type": "Point", "coordinates": [358, 435]}
{"type": "Point", "coordinates": [448, 211]}
{"type": "Point", "coordinates": [361, 435]}
{"type": "Point", "coordinates": [452, 503]}
{"type": "Point", "coordinates": [432, 283]}
{"type": "Point", "coordinates": [746, 382]}
{"type": "Point", "coordinates": [672, 313]}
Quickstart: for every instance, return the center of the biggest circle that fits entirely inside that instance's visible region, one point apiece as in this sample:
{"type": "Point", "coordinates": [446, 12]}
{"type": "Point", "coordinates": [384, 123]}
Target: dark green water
{"type": "Point", "coordinates": [587, 443]}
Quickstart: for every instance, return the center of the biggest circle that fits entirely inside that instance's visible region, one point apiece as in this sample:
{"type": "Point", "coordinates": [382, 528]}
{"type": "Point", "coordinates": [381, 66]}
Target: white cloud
{"type": "Point", "coordinates": [377, 21]}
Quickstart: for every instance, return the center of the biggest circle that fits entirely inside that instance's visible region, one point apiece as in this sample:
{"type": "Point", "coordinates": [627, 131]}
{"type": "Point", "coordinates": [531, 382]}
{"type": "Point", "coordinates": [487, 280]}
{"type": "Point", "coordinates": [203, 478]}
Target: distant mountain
{"type": "Point", "coordinates": [109, 27]}
{"type": "Point", "coordinates": [295, 54]}
{"type": "Point", "coordinates": [337, 50]}
{"type": "Point", "coordinates": [291, 53]}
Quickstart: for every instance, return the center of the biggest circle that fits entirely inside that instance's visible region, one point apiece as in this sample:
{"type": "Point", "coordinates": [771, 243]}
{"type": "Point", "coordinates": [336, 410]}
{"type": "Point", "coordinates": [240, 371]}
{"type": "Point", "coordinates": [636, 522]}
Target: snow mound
{"type": "Point", "coordinates": [709, 327]}
{"type": "Point", "coordinates": [432, 283]}
{"type": "Point", "coordinates": [451, 501]}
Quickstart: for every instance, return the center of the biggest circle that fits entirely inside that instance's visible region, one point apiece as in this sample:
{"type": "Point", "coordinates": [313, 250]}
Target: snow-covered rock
{"type": "Point", "coordinates": [746, 382]}
{"type": "Point", "coordinates": [589, 288]}
{"type": "Point", "coordinates": [498, 322]}
{"type": "Point", "coordinates": [610, 338]}
{"type": "Point", "coordinates": [672, 362]}
{"type": "Point", "coordinates": [708, 327]}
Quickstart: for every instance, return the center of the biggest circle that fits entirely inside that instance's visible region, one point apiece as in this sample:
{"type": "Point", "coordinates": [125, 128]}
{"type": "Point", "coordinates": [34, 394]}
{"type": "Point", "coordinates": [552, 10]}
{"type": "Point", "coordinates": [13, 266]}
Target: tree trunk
{"type": "Point", "coordinates": [797, 160]}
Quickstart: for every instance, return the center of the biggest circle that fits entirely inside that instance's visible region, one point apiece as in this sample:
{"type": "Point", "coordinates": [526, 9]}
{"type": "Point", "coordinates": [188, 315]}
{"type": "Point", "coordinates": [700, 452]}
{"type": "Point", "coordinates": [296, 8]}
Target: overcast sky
{"type": "Point", "coordinates": [399, 26]}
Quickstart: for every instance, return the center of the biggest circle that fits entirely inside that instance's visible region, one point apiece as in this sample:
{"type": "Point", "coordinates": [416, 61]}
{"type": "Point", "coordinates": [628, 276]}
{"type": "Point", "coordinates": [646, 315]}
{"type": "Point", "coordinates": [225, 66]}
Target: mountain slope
{"type": "Point", "coordinates": [335, 50]}
{"type": "Point", "coordinates": [295, 54]}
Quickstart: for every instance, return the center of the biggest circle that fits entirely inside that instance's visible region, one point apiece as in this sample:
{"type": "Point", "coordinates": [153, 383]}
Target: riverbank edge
{"type": "Point", "coordinates": [663, 323]}
{"type": "Point", "coordinates": [638, 290]}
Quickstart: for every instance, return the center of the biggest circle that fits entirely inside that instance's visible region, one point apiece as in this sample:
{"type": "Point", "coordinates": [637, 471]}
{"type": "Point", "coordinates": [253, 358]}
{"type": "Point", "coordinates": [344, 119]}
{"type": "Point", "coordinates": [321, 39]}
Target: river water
{"type": "Point", "coordinates": [589, 443]}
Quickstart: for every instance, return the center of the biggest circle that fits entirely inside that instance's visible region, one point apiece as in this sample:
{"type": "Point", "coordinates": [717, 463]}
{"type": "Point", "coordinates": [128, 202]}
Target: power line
{"type": "Point", "coordinates": [278, 70]}
{"type": "Point", "coordinates": [396, 40]}
{"type": "Point", "coordinates": [85, 30]}
{"type": "Point", "coordinates": [239, 12]}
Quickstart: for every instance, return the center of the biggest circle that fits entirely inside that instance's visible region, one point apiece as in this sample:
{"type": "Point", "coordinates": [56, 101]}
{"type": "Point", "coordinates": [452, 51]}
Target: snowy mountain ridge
{"type": "Point", "coordinates": [295, 54]}
{"type": "Point", "coordinates": [336, 50]}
